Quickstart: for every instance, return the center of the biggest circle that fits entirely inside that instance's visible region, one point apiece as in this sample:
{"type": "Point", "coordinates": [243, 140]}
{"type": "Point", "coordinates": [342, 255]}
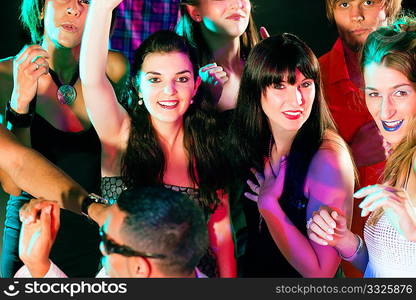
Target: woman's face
{"type": "Point", "coordinates": [391, 100]}
{"type": "Point", "coordinates": [288, 106]}
{"type": "Point", "coordinates": [166, 84]}
{"type": "Point", "coordinates": [64, 21]}
{"type": "Point", "coordinates": [224, 17]}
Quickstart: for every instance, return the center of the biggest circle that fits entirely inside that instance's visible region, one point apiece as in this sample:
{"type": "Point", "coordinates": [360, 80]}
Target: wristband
{"type": "Point", "coordinates": [354, 255]}
{"type": "Point", "coordinates": [88, 200]}
{"type": "Point", "coordinates": [20, 120]}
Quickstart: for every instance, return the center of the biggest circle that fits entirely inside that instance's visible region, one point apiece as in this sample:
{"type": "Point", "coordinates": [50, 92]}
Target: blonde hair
{"type": "Point", "coordinates": [395, 47]}
{"type": "Point", "coordinates": [392, 8]}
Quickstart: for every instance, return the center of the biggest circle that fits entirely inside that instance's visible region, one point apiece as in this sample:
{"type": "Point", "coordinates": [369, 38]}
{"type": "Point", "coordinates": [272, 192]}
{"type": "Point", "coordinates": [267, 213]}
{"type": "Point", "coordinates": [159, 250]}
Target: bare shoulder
{"type": "Point", "coordinates": [332, 159]}
{"type": "Point", "coordinates": [330, 179]}
{"type": "Point", "coordinates": [118, 67]}
{"type": "Point", "coordinates": [332, 141]}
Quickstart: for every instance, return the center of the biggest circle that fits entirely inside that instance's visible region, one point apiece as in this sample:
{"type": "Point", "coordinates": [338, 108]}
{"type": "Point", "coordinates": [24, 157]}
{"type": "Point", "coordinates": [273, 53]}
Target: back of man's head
{"type": "Point", "coordinates": [165, 222]}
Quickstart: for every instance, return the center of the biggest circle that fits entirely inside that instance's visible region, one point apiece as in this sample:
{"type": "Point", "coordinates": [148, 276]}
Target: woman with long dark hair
{"type": "Point", "coordinates": [223, 33]}
{"type": "Point", "coordinates": [282, 129]}
{"type": "Point", "coordinates": [388, 62]}
{"type": "Point", "coordinates": [41, 91]}
{"type": "Point", "coordinates": [168, 138]}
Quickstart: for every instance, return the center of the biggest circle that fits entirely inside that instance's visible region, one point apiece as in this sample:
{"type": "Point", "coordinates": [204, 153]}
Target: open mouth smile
{"type": "Point", "coordinates": [392, 125]}
{"type": "Point", "coordinates": [292, 114]}
{"type": "Point", "coordinates": [169, 104]}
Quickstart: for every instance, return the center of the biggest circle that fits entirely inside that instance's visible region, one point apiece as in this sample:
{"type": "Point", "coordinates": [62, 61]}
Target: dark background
{"type": "Point", "coordinates": [305, 18]}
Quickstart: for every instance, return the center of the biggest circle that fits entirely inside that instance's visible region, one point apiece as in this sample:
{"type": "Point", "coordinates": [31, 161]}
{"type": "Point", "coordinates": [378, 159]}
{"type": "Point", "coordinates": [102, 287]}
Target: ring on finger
{"type": "Point", "coordinates": [37, 65]}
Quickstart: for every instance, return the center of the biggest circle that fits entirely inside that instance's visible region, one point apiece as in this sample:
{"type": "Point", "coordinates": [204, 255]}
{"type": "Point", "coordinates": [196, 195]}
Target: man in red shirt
{"type": "Point", "coordinates": [342, 80]}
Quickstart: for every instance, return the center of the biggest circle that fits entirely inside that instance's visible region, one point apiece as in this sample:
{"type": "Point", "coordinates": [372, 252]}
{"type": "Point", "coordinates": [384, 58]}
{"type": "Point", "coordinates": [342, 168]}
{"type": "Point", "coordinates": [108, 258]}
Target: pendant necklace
{"type": "Point", "coordinates": [66, 93]}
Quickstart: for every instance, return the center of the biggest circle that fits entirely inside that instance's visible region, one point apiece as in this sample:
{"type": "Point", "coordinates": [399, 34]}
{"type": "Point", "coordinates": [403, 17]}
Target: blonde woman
{"type": "Point", "coordinates": [389, 67]}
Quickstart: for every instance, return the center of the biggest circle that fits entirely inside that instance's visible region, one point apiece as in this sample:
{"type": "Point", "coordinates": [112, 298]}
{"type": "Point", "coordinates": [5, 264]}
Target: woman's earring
{"type": "Point", "coordinates": [192, 101]}
{"type": "Point", "coordinates": [140, 102]}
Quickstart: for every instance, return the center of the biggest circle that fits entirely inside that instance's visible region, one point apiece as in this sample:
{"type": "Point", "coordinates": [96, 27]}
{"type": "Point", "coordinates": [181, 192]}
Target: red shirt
{"type": "Point", "coordinates": [347, 104]}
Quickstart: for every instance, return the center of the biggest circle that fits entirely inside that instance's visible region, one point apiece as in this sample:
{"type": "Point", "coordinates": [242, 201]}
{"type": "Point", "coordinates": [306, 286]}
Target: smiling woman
{"type": "Point", "coordinates": [389, 64]}
{"type": "Point", "coordinates": [171, 140]}
{"type": "Point", "coordinates": [391, 100]}
{"type": "Point", "coordinates": [283, 129]}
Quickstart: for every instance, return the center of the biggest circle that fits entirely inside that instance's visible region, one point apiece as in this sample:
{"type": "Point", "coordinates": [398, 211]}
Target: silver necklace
{"type": "Point", "coordinates": [66, 93]}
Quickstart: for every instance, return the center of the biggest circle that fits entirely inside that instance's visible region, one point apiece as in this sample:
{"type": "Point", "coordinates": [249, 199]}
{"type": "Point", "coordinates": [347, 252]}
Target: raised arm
{"type": "Point", "coordinates": [109, 118]}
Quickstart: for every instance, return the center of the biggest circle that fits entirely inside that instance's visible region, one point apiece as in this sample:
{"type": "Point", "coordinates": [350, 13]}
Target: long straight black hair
{"type": "Point", "coordinates": [144, 163]}
{"type": "Point", "coordinates": [270, 62]}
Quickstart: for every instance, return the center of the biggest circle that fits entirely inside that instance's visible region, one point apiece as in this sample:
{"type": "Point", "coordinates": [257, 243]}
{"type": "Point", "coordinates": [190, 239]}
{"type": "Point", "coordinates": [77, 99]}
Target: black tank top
{"type": "Point", "coordinates": [76, 153]}
{"type": "Point", "coordinates": [262, 257]}
{"type": "Point", "coordinates": [76, 248]}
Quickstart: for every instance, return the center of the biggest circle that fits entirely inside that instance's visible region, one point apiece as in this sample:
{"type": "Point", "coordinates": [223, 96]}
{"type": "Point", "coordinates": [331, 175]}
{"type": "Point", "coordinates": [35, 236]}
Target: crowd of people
{"type": "Point", "coordinates": [220, 151]}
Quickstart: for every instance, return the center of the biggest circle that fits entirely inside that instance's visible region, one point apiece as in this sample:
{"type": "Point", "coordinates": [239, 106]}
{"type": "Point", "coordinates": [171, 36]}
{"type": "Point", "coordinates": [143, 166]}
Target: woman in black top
{"type": "Point", "coordinates": [45, 105]}
{"type": "Point", "coordinates": [282, 128]}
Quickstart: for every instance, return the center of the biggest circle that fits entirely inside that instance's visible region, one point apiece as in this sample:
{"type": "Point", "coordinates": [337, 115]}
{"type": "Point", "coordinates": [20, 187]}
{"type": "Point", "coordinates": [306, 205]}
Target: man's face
{"type": "Point", "coordinates": [116, 265]}
{"type": "Point", "coordinates": [356, 19]}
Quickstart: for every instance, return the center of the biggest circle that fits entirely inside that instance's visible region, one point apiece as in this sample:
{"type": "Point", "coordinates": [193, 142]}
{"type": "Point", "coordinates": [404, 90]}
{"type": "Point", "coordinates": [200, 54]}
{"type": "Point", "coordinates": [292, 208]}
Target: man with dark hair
{"type": "Point", "coordinates": [343, 82]}
{"type": "Point", "coordinates": [150, 232]}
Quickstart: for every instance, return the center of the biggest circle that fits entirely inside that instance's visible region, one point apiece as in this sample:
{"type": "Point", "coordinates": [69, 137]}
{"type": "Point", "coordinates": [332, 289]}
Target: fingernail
{"type": "Point", "coordinates": [331, 231]}
{"type": "Point", "coordinates": [361, 205]}
{"type": "Point", "coordinates": [325, 243]}
{"type": "Point", "coordinates": [363, 212]}
{"type": "Point", "coordinates": [329, 237]}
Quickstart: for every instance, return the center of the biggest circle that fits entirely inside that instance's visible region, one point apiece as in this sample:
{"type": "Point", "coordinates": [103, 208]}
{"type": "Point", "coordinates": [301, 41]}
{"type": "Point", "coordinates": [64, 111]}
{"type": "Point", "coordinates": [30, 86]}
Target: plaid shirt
{"type": "Point", "coordinates": [137, 19]}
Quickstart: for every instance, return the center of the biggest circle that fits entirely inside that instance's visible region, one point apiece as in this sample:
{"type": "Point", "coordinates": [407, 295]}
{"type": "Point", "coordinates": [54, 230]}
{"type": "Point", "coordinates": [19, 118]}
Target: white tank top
{"type": "Point", "coordinates": [390, 253]}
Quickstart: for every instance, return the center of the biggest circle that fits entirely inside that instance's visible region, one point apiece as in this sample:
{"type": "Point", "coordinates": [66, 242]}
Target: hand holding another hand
{"type": "Point", "coordinates": [327, 227]}
{"type": "Point", "coordinates": [38, 234]}
{"type": "Point", "coordinates": [28, 66]}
